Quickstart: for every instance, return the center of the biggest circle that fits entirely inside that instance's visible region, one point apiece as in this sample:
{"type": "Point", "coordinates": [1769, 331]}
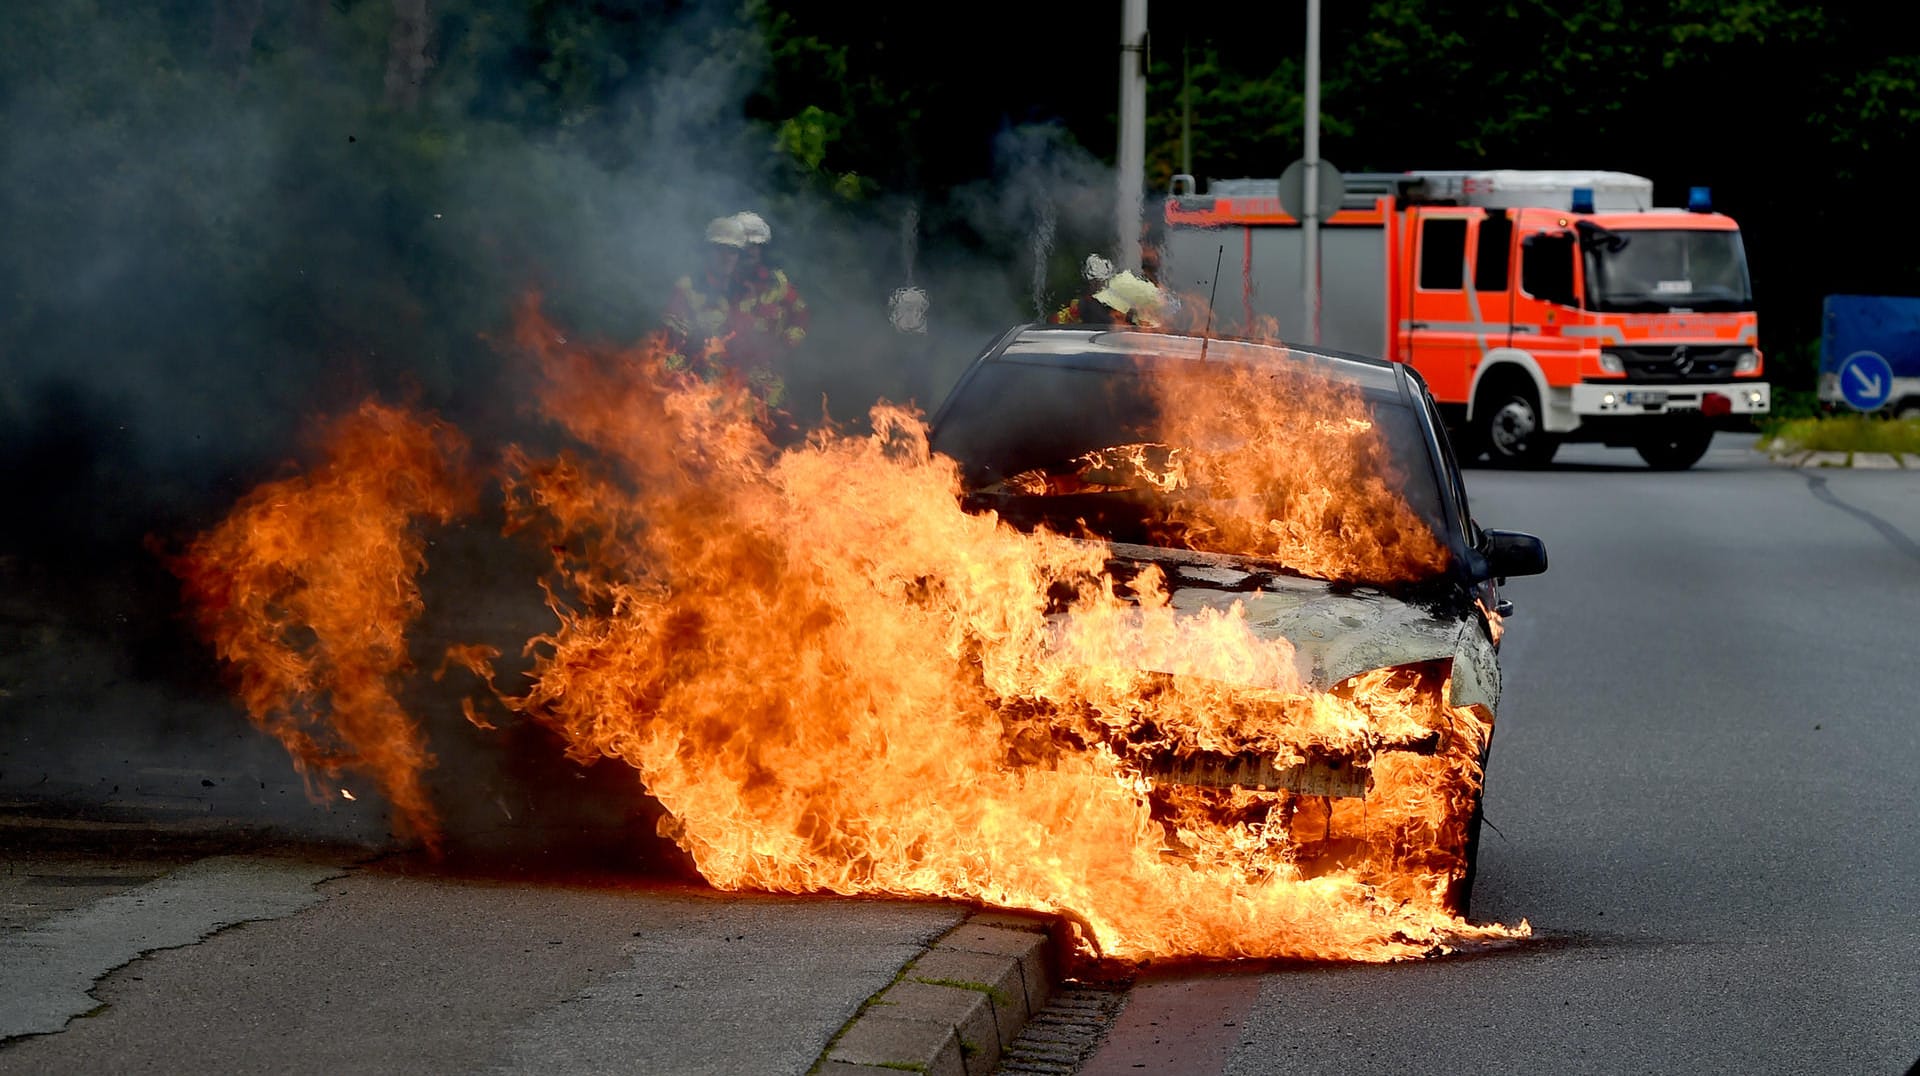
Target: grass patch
{"type": "Point", "coordinates": [999, 996]}
{"type": "Point", "coordinates": [1844, 433]}
{"type": "Point", "coordinates": [871, 1003]}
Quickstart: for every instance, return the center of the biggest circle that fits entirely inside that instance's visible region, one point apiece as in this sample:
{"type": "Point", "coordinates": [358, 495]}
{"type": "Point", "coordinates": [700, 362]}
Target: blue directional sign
{"type": "Point", "coordinates": [1866, 380]}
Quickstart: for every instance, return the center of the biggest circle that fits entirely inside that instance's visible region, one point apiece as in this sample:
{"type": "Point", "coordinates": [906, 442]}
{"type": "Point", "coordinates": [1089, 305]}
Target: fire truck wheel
{"type": "Point", "coordinates": [1510, 428]}
{"type": "Point", "coordinates": [1675, 448]}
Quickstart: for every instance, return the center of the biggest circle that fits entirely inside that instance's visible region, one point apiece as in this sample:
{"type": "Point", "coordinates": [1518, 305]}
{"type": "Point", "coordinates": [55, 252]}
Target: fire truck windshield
{"type": "Point", "coordinates": [1655, 270]}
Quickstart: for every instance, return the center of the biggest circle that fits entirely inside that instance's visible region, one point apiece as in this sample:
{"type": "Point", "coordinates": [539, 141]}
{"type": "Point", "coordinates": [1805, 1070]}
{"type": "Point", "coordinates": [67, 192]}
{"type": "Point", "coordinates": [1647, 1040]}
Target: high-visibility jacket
{"type": "Point", "coordinates": [1086, 310]}
{"type": "Point", "coordinates": [759, 317]}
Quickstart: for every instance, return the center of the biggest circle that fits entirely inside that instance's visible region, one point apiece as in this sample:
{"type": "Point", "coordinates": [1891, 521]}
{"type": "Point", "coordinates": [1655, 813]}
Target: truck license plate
{"type": "Point", "coordinates": [1646, 397]}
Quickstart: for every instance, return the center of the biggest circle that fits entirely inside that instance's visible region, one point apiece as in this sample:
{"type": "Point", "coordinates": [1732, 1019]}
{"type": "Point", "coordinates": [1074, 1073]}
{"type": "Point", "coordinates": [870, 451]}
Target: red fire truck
{"type": "Point", "coordinates": [1540, 307]}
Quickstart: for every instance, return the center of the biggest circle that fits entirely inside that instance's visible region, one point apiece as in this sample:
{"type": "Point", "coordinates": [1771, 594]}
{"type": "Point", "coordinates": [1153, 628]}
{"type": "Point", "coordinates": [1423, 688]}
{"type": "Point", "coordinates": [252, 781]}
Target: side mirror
{"type": "Point", "coordinates": [1512, 553]}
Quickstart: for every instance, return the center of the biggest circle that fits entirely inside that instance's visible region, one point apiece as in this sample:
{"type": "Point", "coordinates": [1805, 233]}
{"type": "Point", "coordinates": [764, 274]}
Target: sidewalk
{"type": "Point", "coordinates": [136, 953]}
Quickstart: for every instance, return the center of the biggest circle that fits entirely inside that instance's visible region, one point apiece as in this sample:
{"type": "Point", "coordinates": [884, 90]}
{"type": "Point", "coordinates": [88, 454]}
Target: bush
{"type": "Point", "coordinates": [1845, 433]}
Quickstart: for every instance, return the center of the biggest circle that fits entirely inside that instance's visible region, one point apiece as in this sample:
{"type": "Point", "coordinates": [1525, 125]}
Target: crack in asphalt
{"type": "Point", "coordinates": [48, 971]}
{"type": "Point", "coordinates": [1894, 535]}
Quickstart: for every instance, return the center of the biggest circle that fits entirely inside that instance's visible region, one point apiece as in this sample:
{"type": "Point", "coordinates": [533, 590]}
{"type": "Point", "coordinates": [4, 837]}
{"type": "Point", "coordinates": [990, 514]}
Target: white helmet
{"type": "Point", "coordinates": [1096, 269]}
{"type": "Point", "coordinates": [727, 231]}
{"type": "Point", "coordinates": [753, 227]}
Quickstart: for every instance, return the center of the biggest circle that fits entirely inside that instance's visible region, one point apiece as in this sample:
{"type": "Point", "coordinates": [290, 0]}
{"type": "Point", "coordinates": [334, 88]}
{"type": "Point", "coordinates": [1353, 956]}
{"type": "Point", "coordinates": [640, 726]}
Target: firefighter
{"type": "Point", "coordinates": [1087, 308]}
{"type": "Point", "coordinates": [744, 319]}
{"type": "Point", "coordinates": [1134, 301]}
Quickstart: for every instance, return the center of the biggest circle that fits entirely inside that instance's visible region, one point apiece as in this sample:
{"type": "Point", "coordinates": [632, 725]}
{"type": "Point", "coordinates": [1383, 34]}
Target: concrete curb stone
{"type": "Point", "coordinates": [887, 1040]}
{"type": "Point", "coordinates": [960, 1004]}
{"type": "Point", "coordinates": [1879, 461]}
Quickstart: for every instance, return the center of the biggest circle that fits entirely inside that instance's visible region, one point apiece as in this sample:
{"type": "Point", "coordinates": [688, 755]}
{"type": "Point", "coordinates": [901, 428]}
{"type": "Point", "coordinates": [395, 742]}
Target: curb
{"type": "Point", "coordinates": [1870, 461]}
{"type": "Point", "coordinates": [958, 1006]}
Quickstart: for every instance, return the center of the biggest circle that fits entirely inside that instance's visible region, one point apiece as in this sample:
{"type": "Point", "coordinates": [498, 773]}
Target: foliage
{"type": "Point", "coordinates": [1845, 433]}
{"type": "Point", "coordinates": [1790, 111]}
{"type": "Point", "coordinates": [178, 191]}
{"type": "Point", "coordinates": [1791, 404]}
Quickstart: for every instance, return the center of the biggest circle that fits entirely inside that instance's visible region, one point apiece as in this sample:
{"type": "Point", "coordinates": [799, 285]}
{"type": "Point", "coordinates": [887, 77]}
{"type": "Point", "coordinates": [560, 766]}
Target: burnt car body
{"type": "Point", "coordinates": [1042, 394]}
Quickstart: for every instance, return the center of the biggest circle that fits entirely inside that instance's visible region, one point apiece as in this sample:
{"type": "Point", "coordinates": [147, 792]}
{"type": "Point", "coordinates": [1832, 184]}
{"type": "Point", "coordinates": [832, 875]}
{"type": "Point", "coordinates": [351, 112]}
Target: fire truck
{"type": "Point", "coordinates": [1539, 306]}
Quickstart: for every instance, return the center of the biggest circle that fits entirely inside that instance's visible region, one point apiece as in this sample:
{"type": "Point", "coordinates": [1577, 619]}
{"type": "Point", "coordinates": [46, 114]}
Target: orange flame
{"type": "Point", "coordinates": [306, 589]}
{"type": "Point", "coordinates": [1307, 479]}
{"type": "Point", "coordinates": [835, 679]}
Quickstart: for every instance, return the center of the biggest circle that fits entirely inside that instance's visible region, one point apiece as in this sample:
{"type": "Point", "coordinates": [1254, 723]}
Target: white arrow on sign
{"type": "Point", "coordinates": [1871, 384]}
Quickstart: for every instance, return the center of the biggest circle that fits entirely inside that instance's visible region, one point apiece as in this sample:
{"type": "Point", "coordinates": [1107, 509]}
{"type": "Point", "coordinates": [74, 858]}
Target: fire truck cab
{"type": "Point", "coordinates": [1540, 307]}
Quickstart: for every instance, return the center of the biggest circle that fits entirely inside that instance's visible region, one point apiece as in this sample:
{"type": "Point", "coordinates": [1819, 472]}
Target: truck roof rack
{"type": "Point", "coordinates": [1492, 189]}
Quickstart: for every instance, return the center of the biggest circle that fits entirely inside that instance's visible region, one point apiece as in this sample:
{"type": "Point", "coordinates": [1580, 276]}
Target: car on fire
{"type": "Point", "coordinates": [1045, 400]}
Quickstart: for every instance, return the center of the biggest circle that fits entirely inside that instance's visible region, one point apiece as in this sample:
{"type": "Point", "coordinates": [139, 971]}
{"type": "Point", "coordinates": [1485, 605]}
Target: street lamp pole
{"type": "Point", "coordinates": [1131, 155]}
{"type": "Point", "coordinates": [1310, 211]}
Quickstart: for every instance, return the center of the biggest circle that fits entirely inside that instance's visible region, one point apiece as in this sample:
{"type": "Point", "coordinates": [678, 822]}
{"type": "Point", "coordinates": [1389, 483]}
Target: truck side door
{"type": "Point", "coordinates": [1547, 300]}
{"type": "Point", "coordinates": [1446, 329]}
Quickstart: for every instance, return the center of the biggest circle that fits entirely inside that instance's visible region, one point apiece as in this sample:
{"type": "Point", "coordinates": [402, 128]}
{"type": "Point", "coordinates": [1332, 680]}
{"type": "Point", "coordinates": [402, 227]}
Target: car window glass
{"type": "Point", "coordinates": [1456, 483]}
{"type": "Point", "coordinates": [1010, 417]}
{"type": "Point", "coordinates": [1546, 268]}
{"type": "Point", "coordinates": [1491, 252]}
{"type": "Point", "coordinates": [1443, 252]}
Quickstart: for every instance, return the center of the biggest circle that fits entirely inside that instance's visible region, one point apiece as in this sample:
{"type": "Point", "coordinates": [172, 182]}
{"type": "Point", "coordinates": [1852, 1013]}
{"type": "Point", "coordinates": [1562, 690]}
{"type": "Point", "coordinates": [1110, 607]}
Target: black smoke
{"type": "Point", "coordinates": [221, 226]}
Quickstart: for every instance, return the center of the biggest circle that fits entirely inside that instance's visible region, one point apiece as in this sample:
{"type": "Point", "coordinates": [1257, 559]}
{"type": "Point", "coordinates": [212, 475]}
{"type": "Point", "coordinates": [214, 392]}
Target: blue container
{"type": "Point", "coordinates": [1857, 328]}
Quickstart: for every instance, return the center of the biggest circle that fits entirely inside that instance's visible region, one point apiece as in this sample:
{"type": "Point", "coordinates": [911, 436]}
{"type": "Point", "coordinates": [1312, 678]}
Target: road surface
{"type": "Point", "coordinates": [1704, 781]}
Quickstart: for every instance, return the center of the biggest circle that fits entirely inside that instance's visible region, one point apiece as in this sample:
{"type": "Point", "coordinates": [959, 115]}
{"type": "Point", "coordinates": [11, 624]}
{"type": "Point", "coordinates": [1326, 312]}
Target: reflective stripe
{"type": "Point", "coordinates": [1447, 327]}
{"type": "Point", "coordinates": [1473, 301]}
{"type": "Point", "coordinates": [1609, 333]}
{"type": "Point", "coordinates": [1466, 326]}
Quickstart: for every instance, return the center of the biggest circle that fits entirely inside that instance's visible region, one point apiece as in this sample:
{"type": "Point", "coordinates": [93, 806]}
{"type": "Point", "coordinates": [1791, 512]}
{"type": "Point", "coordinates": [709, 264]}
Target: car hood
{"type": "Point", "coordinates": [1337, 630]}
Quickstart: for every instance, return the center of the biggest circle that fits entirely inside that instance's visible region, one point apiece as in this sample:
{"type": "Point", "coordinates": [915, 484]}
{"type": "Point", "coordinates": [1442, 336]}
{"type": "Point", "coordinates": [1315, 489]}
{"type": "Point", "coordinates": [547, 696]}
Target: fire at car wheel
{"type": "Point", "coordinates": [1511, 430]}
{"type": "Point", "coordinates": [1460, 898]}
{"type": "Point", "coordinates": [1676, 448]}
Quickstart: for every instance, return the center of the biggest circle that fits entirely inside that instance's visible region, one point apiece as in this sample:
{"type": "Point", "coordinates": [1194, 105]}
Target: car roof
{"type": "Point", "coordinates": [1105, 347]}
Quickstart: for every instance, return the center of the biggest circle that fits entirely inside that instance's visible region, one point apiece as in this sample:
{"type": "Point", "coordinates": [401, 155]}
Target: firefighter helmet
{"type": "Point", "coordinates": [1096, 269]}
{"type": "Point", "coordinates": [753, 227]}
{"type": "Point", "coordinates": [727, 231]}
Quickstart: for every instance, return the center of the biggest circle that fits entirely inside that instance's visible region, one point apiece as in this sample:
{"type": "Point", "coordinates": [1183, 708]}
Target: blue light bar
{"type": "Point", "coordinates": [1583, 199]}
{"type": "Point", "coordinates": [1699, 200]}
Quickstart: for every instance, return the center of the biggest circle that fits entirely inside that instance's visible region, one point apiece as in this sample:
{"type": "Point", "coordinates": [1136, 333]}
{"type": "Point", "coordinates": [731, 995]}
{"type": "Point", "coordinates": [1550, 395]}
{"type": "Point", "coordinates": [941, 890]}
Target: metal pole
{"type": "Point", "coordinates": [1131, 155]}
{"type": "Point", "coordinates": [1310, 216]}
{"type": "Point", "coordinates": [1186, 111]}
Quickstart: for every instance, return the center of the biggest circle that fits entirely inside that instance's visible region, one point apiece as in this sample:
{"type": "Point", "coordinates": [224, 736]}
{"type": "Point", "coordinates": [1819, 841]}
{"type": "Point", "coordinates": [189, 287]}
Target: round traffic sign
{"type": "Point", "coordinates": [1332, 188]}
{"type": "Point", "coordinates": [1866, 381]}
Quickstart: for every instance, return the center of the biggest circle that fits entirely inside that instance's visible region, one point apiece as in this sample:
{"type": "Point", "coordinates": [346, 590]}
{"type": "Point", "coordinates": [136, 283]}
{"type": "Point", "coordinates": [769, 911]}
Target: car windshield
{"type": "Point", "coordinates": [1656, 270]}
{"type": "Point", "coordinates": [1083, 443]}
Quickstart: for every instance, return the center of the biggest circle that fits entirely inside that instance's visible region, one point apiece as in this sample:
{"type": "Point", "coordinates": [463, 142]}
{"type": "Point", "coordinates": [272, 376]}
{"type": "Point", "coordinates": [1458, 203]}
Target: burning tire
{"type": "Point", "coordinates": [1460, 894]}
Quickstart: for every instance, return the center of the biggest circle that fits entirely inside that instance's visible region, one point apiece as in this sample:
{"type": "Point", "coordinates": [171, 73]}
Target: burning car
{"type": "Point", "coordinates": [1190, 641]}
{"type": "Point", "coordinates": [1314, 496]}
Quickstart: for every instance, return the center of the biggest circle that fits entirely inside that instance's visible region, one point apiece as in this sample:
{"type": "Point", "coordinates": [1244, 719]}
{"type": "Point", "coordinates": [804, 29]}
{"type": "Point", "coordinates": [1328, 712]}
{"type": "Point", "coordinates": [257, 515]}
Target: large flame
{"type": "Point", "coordinates": [835, 679]}
{"type": "Point", "coordinates": [1302, 474]}
{"type": "Point", "coordinates": [306, 591]}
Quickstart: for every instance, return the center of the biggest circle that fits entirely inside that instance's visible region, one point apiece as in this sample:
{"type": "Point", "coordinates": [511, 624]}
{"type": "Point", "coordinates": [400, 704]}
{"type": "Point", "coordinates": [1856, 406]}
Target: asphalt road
{"type": "Point", "coordinates": [300, 962]}
{"type": "Point", "coordinates": [1704, 780]}
{"type": "Point", "coordinates": [1703, 783]}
